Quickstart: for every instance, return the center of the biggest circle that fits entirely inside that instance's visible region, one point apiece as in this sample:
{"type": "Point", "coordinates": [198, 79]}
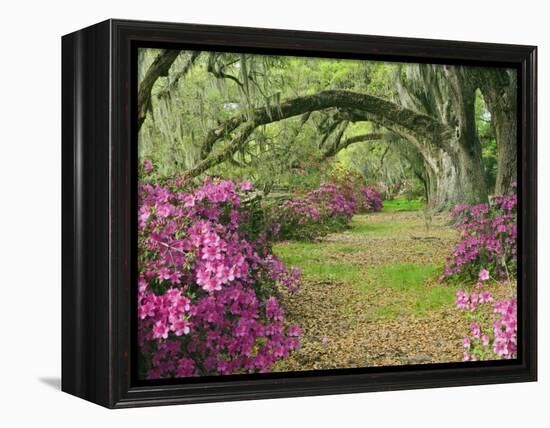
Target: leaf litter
{"type": "Point", "coordinates": [349, 326]}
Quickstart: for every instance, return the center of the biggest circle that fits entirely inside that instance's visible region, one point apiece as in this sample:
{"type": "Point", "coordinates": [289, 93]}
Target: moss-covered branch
{"type": "Point", "coordinates": [158, 68]}
{"type": "Point", "coordinates": [383, 112]}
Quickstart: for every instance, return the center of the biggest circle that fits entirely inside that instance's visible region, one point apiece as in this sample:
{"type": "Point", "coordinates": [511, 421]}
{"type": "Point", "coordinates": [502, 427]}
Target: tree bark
{"type": "Point", "coordinates": [499, 89]}
{"type": "Point", "coordinates": [468, 158]}
{"type": "Point", "coordinates": [456, 171]}
{"type": "Point", "coordinates": [158, 68]}
{"type": "Point", "coordinates": [222, 155]}
{"type": "Point", "coordinates": [422, 129]}
{"type": "Point", "coordinates": [455, 168]}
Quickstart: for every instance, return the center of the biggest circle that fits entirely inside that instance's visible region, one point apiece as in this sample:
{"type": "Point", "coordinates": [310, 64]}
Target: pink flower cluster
{"type": "Point", "coordinates": [487, 250]}
{"type": "Point", "coordinates": [481, 344]}
{"type": "Point", "coordinates": [207, 294]}
{"type": "Point", "coordinates": [301, 211]}
{"type": "Point", "coordinates": [333, 201]}
{"type": "Point", "coordinates": [470, 302]}
{"type": "Point", "coordinates": [371, 199]}
{"type": "Point", "coordinates": [505, 327]}
{"type": "Point", "coordinates": [321, 210]}
{"type": "Point", "coordinates": [488, 239]}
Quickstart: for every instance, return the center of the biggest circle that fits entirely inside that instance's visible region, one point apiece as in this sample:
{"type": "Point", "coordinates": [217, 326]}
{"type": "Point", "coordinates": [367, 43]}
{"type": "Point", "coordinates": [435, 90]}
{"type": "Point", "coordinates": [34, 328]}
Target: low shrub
{"type": "Point", "coordinates": [371, 199]}
{"type": "Point", "coordinates": [351, 184]}
{"type": "Point", "coordinates": [487, 251]}
{"type": "Point", "coordinates": [493, 324]}
{"type": "Point", "coordinates": [322, 210]}
{"type": "Point", "coordinates": [297, 218]}
{"type": "Point", "coordinates": [208, 288]}
{"type": "Point", "coordinates": [488, 240]}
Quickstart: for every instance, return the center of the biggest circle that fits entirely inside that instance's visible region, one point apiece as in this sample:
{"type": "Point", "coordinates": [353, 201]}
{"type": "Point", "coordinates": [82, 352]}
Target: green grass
{"type": "Point", "coordinates": [363, 225]}
{"type": "Point", "coordinates": [408, 290]}
{"type": "Point", "coordinates": [403, 277]}
{"type": "Point", "coordinates": [415, 295]}
{"type": "Point", "coordinates": [314, 260]}
{"type": "Point", "coordinates": [303, 251]}
{"type": "Point", "coordinates": [403, 204]}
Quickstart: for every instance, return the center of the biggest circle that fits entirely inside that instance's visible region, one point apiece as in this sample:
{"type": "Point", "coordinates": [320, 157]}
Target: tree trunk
{"type": "Point", "coordinates": [499, 89]}
{"type": "Point", "coordinates": [455, 165]}
{"type": "Point", "coordinates": [471, 170]}
{"type": "Point", "coordinates": [456, 171]}
{"type": "Point", "coordinates": [506, 135]}
{"type": "Point", "coordinates": [452, 181]}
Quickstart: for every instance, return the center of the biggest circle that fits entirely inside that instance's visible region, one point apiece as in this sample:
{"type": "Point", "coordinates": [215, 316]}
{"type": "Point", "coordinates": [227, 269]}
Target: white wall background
{"type": "Point", "coordinates": [30, 208]}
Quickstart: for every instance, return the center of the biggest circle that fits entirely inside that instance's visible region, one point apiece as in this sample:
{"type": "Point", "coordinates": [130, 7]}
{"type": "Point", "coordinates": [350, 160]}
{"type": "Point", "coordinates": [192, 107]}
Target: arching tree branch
{"type": "Point", "coordinates": [386, 113]}
{"type": "Point", "coordinates": [222, 155]}
{"type": "Point", "coordinates": [402, 121]}
{"type": "Point", "coordinates": [181, 73]}
{"type": "Point", "coordinates": [334, 146]}
{"type": "Point", "coordinates": [158, 68]}
{"type": "Point", "coordinates": [333, 151]}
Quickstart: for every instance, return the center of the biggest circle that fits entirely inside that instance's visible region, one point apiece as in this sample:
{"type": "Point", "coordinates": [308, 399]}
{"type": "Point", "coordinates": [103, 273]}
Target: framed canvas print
{"type": "Point", "coordinates": [253, 213]}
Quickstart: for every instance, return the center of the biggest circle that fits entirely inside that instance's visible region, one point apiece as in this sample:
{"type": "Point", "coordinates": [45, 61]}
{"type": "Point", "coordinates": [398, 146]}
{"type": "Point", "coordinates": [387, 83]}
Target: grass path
{"type": "Point", "coordinates": [370, 294]}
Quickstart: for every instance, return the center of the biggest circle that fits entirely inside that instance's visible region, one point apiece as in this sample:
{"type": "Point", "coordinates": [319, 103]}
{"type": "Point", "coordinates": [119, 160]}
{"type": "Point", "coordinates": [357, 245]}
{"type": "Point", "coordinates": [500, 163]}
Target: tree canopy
{"type": "Point", "coordinates": [448, 130]}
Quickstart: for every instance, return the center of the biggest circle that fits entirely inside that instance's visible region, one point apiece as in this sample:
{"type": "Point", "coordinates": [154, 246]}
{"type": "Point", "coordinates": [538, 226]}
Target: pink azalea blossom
{"type": "Point", "coordinates": [294, 330]}
{"type": "Point", "coordinates": [245, 185]}
{"type": "Point", "coordinates": [475, 330]}
{"type": "Point", "coordinates": [483, 275]}
{"type": "Point", "coordinates": [181, 327]}
{"type": "Point", "coordinates": [147, 166]}
{"type": "Point", "coordinates": [488, 245]}
{"type": "Point", "coordinates": [160, 330]}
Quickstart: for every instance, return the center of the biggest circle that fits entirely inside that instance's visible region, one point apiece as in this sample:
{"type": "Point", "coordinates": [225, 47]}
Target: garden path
{"type": "Point", "coordinates": [370, 295]}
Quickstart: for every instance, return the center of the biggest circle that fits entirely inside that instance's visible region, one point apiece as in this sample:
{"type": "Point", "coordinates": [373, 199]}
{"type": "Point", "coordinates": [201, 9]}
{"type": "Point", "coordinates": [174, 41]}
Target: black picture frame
{"type": "Point", "coordinates": [98, 213]}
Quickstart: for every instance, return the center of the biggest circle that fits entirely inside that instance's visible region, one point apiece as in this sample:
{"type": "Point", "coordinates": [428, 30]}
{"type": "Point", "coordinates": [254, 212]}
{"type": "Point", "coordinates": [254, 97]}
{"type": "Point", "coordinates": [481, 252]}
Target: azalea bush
{"type": "Point", "coordinates": [333, 202]}
{"type": "Point", "coordinates": [325, 209]}
{"type": "Point", "coordinates": [351, 184]}
{"type": "Point", "coordinates": [488, 240]}
{"type": "Point", "coordinates": [208, 288]}
{"type": "Point", "coordinates": [348, 180]}
{"type": "Point", "coordinates": [487, 251]}
{"type": "Point", "coordinates": [371, 199]}
{"type": "Point", "coordinates": [296, 218]}
{"type": "Point", "coordinates": [493, 324]}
